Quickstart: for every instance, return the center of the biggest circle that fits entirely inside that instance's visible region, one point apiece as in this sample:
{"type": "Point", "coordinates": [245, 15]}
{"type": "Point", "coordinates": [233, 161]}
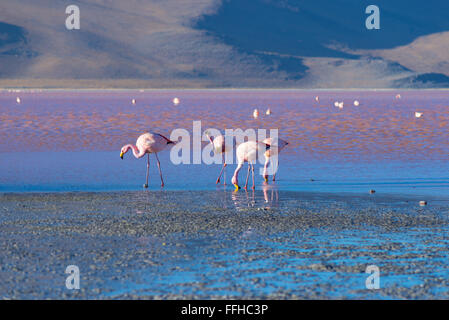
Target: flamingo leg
{"type": "Point", "coordinates": [148, 171]}
{"type": "Point", "coordinates": [252, 171]}
{"type": "Point", "coordinates": [159, 167]}
{"type": "Point", "coordinates": [218, 179]}
{"type": "Point", "coordinates": [274, 174]}
{"type": "Point", "coordinates": [265, 174]}
{"type": "Point", "coordinates": [224, 174]}
{"type": "Point", "coordinates": [224, 170]}
{"type": "Point", "coordinates": [247, 176]}
{"type": "Point", "coordinates": [219, 176]}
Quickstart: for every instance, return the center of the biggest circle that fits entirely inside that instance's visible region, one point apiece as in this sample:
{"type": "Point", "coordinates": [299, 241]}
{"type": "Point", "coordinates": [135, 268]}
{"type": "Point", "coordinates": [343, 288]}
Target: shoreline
{"type": "Point", "coordinates": [8, 89]}
{"type": "Point", "coordinates": [230, 189]}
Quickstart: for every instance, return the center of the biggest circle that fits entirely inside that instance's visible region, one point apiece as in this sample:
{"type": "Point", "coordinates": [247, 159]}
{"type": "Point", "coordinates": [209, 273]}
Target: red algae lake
{"type": "Point", "coordinates": [71, 140]}
{"type": "Point", "coordinates": [359, 208]}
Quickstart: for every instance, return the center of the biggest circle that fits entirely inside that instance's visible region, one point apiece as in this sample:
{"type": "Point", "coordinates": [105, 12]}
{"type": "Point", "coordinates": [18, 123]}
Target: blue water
{"type": "Point", "coordinates": [105, 171]}
{"type": "Point", "coordinates": [279, 267]}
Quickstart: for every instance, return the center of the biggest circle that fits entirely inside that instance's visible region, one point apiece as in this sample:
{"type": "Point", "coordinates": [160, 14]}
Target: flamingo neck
{"type": "Point", "coordinates": [210, 139]}
{"type": "Point", "coordinates": [235, 177]}
{"type": "Point", "coordinates": [136, 152]}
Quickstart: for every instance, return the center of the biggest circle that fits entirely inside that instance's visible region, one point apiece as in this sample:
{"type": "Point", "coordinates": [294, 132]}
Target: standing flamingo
{"type": "Point", "coordinates": [148, 143]}
{"type": "Point", "coordinates": [247, 152]}
{"type": "Point", "coordinates": [274, 150]}
{"type": "Point", "coordinates": [220, 147]}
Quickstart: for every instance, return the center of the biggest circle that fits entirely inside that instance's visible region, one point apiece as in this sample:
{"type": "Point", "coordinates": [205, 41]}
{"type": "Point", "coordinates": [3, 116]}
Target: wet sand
{"type": "Point", "coordinates": [216, 244]}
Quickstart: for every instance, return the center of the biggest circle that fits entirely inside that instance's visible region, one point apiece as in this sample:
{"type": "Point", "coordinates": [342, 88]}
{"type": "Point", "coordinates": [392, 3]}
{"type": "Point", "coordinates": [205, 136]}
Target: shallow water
{"type": "Point", "coordinates": [196, 239]}
{"type": "Point", "coordinates": [217, 244]}
{"type": "Point", "coordinates": [61, 141]}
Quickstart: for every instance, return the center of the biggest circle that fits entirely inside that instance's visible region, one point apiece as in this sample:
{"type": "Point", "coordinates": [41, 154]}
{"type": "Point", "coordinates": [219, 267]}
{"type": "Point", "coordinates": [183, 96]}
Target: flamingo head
{"type": "Point", "coordinates": [265, 177]}
{"type": "Point", "coordinates": [235, 182]}
{"type": "Point", "coordinates": [208, 136]}
{"type": "Point", "coordinates": [124, 150]}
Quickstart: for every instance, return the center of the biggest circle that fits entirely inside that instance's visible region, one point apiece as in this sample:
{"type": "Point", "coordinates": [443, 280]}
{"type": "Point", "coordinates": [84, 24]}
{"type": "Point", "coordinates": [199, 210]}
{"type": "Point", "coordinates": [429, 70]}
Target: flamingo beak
{"type": "Point", "coordinates": [265, 178]}
{"type": "Point", "coordinates": [236, 187]}
{"type": "Point", "coordinates": [121, 155]}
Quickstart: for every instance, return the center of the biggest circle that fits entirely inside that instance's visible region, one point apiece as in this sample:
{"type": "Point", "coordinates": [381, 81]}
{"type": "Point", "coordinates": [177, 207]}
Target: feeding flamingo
{"type": "Point", "coordinates": [274, 150]}
{"type": "Point", "coordinates": [220, 147]}
{"type": "Point", "coordinates": [247, 152]}
{"type": "Point", "coordinates": [148, 143]}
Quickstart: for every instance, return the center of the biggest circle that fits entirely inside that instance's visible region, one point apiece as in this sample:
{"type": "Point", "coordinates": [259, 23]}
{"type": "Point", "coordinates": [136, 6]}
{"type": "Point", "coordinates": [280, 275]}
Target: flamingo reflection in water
{"type": "Point", "coordinates": [268, 199]}
{"type": "Point", "coordinates": [270, 195]}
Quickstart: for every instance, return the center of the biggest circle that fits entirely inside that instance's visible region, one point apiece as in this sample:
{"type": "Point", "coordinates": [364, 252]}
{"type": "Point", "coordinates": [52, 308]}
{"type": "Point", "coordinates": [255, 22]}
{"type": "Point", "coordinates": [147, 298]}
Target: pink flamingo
{"type": "Point", "coordinates": [148, 143]}
{"type": "Point", "coordinates": [274, 150]}
{"type": "Point", "coordinates": [220, 147]}
{"type": "Point", "coordinates": [247, 152]}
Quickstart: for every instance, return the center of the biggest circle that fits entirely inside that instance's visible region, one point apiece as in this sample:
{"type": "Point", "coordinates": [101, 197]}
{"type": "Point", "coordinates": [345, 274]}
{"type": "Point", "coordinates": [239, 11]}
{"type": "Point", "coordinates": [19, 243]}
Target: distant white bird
{"type": "Point", "coordinates": [255, 113]}
{"type": "Point", "coordinates": [268, 112]}
{"type": "Point", "coordinates": [418, 114]}
{"type": "Point", "coordinates": [356, 103]}
{"type": "Point", "coordinates": [317, 99]}
{"type": "Point", "coordinates": [133, 101]}
{"type": "Point", "coordinates": [336, 103]}
{"type": "Point", "coordinates": [398, 96]}
{"type": "Point", "coordinates": [176, 101]}
{"type": "Point", "coordinates": [18, 100]}
{"type": "Point", "coordinates": [340, 105]}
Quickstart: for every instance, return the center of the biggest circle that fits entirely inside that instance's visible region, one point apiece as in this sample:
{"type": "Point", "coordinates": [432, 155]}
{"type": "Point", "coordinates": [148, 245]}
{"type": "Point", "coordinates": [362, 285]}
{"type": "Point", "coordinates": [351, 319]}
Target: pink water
{"type": "Point", "coordinates": [70, 140]}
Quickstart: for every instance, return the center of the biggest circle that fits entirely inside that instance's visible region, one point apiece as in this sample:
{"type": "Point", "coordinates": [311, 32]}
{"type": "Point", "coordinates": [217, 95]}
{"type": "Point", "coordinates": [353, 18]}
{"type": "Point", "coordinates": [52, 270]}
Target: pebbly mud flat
{"type": "Point", "coordinates": [266, 244]}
